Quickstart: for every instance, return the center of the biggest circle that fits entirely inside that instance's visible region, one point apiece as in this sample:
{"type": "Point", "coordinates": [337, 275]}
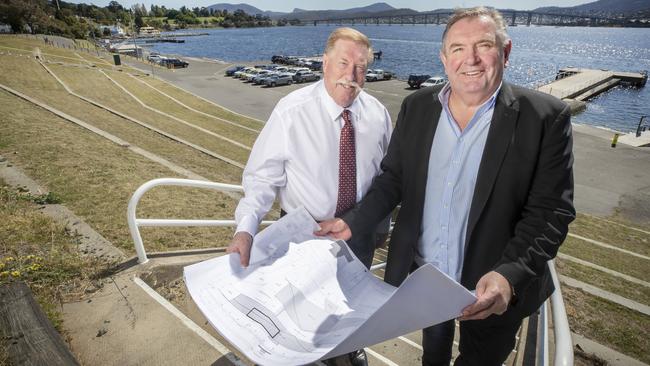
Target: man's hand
{"type": "Point", "coordinates": [494, 293]}
{"type": "Point", "coordinates": [335, 228]}
{"type": "Point", "coordinates": [241, 243]}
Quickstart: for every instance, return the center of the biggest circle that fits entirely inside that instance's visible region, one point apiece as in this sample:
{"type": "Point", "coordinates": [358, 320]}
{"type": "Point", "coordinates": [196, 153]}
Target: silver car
{"type": "Point", "coordinates": [282, 79]}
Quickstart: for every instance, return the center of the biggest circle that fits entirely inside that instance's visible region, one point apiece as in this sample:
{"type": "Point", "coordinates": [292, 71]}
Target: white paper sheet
{"type": "Point", "coordinates": [297, 303]}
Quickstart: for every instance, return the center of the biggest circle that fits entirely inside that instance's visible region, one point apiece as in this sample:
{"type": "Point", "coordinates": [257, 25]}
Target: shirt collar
{"type": "Point", "coordinates": [443, 97]}
{"type": "Point", "coordinates": [488, 105]}
{"type": "Point", "coordinates": [334, 110]}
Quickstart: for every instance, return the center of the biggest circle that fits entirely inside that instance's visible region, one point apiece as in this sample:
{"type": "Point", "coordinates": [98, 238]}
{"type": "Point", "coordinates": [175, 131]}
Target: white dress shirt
{"type": "Point", "coordinates": [296, 156]}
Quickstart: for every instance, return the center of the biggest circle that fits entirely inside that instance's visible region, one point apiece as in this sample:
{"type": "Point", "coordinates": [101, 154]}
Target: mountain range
{"type": "Point", "coordinates": [600, 7]}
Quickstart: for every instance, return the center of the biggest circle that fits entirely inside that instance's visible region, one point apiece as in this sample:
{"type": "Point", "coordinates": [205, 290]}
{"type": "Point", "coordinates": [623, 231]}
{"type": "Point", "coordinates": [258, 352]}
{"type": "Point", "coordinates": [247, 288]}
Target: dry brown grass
{"type": "Point", "coordinates": [608, 258]}
{"type": "Point", "coordinates": [37, 83]}
{"type": "Point", "coordinates": [201, 105]}
{"type": "Point", "coordinates": [95, 178]}
{"type": "Point", "coordinates": [41, 252]}
{"type": "Point", "coordinates": [26, 45]}
{"type": "Point", "coordinates": [608, 323]}
{"type": "Point", "coordinates": [619, 286]}
{"type": "Point", "coordinates": [92, 84]}
{"type": "Point", "coordinates": [158, 101]}
{"type": "Point", "coordinates": [611, 233]}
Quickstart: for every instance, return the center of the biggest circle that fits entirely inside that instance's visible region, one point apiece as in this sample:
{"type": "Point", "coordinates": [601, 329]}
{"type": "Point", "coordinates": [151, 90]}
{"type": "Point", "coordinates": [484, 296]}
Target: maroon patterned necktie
{"type": "Point", "coordinates": [347, 168]}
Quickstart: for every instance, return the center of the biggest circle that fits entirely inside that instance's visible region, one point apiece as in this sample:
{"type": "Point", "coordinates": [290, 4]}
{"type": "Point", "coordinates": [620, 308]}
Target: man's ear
{"type": "Point", "coordinates": [506, 53]}
{"type": "Point", "coordinates": [325, 60]}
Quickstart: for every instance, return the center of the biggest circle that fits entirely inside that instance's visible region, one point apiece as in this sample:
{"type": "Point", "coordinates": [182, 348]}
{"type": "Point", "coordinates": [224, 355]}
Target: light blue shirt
{"type": "Point", "coordinates": [453, 167]}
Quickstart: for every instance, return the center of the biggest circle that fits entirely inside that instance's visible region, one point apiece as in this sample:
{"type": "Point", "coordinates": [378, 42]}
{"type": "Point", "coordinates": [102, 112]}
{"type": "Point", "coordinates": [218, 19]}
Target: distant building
{"type": "Point", "coordinates": [5, 28]}
{"type": "Point", "coordinates": [116, 30]}
{"type": "Point", "coordinates": [149, 31]}
{"type": "Point", "coordinates": [127, 49]}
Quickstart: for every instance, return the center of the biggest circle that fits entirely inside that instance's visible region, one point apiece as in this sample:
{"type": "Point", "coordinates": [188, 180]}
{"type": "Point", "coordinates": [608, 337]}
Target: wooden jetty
{"type": "Point", "coordinates": [575, 85]}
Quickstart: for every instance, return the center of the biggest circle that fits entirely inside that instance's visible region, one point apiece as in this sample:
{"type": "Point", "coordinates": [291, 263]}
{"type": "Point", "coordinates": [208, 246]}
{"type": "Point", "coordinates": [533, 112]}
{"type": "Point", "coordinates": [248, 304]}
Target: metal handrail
{"type": "Point", "coordinates": [561, 330]}
{"type": "Point", "coordinates": [135, 223]}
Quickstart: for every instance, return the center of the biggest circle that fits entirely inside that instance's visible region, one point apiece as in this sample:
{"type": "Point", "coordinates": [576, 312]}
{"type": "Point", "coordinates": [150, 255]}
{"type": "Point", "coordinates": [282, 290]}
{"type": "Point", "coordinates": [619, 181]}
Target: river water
{"type": "Point", "coordinates": [538, 52]}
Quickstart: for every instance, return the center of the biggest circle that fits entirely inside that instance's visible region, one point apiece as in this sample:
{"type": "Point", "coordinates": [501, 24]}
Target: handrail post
{"type": "Point", "coordinates": [638, 129]}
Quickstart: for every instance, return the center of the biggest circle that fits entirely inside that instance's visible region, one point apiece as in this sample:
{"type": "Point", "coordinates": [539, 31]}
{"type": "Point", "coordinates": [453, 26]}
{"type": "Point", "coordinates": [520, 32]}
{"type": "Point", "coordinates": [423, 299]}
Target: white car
{"type": "Point", "coordinates": [436, 80]}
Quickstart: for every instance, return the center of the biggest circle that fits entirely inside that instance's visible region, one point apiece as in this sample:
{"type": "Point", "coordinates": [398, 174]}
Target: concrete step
{"type": "Point", "coordinates": [121, 324]}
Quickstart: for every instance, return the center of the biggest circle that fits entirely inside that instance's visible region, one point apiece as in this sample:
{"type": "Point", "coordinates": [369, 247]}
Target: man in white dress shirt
{"type": "Point", "coordinates": [296, 156]}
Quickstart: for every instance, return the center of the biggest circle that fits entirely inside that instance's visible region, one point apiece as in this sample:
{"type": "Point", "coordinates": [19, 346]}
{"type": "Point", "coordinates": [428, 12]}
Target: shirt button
{"type": "Point", "coordinates": [446, 206]}
{"type": "Point", "coordinates": [449, 183]}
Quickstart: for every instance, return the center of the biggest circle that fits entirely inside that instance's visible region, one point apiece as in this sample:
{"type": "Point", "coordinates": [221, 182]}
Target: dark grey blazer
{"type": "Point", "coordinates": [523, 199]}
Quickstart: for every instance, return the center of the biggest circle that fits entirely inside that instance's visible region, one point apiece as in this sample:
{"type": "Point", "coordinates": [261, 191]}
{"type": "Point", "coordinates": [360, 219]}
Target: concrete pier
{"type": "Point", "coordinates": [575, 85]}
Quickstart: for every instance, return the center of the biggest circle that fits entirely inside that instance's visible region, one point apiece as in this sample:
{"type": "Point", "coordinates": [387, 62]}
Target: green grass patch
{"type": "Point", "coordinates": [611, 233]}
{"type": "Point", "coordinates": [608, 258]}
{"type": "Point", "coordinates": [607, 323]}
{"type": "Point", "coordinates": [619, 286]}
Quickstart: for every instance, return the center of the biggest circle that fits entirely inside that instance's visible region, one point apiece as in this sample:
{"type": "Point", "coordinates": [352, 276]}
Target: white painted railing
{"type": "Point", "coordinates": [135, 223]}
{"type": "Point", "coordinates": [562, 333]}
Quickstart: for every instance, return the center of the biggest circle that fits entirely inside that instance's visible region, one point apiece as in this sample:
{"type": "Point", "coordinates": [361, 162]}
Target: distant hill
{"type": "Point", "coordinates": [620, 7]}
{"type": "Point", "coordinates": [605, 8]}
{"type": "Point", "coordinates": [378, 9]}
{"type": "Point", "coordinates": [248, 9]}
{"type": "Point", "coordinates": [303, 14]}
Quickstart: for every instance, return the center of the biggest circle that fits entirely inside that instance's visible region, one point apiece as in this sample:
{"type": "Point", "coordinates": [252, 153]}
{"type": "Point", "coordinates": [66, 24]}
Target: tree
{"type": "Point", "coordinates": [115, 7]}
{"type": "Point", "coordinates": [139, 23]}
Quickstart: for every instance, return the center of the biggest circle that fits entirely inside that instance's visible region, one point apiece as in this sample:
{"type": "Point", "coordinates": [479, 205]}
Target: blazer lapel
{"type": "Point", "coordinates": [500, 136]}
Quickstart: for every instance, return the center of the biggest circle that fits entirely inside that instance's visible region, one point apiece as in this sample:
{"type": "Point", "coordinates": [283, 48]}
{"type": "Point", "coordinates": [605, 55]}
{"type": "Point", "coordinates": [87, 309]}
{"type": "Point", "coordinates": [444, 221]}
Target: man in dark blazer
{"type": "Point", "coordinates": [483, 172]}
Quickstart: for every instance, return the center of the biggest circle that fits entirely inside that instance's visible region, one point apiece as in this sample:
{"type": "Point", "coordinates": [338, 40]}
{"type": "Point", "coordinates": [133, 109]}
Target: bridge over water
{"type": "Point", "coordinates": [513, 17]}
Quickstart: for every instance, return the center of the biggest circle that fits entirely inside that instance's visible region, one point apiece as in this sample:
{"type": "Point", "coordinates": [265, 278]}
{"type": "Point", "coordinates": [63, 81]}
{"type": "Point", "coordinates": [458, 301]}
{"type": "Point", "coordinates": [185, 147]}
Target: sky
{"type": "Point", "coordinates": [289, 5]}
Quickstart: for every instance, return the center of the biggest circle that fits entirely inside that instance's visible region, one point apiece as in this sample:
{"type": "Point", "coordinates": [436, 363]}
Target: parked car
{"type": "Point", "coordinates": [246, 72]}
{"type": "Point", "coordinates": [260, 79]}
{"type": "Point", "coordinates": [231, 71]}
{"type": "Point", "coordinates": [259, 76]}
{"type": "Point", "coordinates": [278, 59]}
{"type": "Point", "coordinates": [252, 74]}
{"type": "Point", "coordinates": [378, 74]}
{"type": "Point", "coordinates": [275, 80]}
{"type": "Point", "coordinates": [155, 57]}
{"type": "Point", "coordinates": [239, 73]}
{"type": "Point", "coordinates": [415, 80]}
{"type": "Point", "coordinates": [303, 76]}
{"type": "Point", "coordinates": [174, 63]}
{"type": "Point", "coordinates": [316, 65]}
{"type": "Point", "coordinates": [436, 80]}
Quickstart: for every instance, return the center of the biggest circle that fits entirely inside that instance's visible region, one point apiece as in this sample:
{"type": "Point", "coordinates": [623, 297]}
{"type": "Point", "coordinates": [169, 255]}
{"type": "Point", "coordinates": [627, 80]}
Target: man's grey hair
{"type": "Point", "coordinates": [349, 34]}
{"type": "Point", "coordinates": [476, 12]}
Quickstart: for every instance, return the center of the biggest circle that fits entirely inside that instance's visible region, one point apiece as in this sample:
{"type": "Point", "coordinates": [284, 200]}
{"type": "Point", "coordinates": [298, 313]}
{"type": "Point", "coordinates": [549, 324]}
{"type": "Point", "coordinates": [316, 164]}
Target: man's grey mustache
{"type": "Point", "coordinates": [349, 84]}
